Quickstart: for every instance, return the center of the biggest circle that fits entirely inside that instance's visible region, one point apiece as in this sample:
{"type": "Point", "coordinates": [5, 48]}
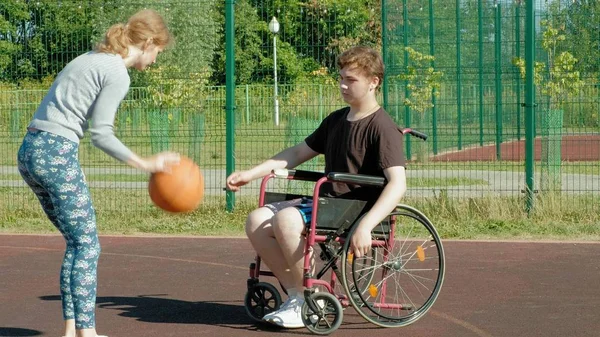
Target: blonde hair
{"type": "Point", "coordinates": [367, 60]}
{"type": "Point", "coordinates": [142, 26]}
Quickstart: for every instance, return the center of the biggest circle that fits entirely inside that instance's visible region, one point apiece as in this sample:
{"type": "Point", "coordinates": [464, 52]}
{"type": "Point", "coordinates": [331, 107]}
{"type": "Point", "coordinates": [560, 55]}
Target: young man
{"type": "Point", "coordinates": [361, 139]}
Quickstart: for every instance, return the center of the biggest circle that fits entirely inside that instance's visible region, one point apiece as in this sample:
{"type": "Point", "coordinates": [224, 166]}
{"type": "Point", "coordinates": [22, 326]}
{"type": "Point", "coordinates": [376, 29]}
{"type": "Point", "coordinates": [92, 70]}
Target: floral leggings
{"type": "Point", "coordinates": [49, 164]}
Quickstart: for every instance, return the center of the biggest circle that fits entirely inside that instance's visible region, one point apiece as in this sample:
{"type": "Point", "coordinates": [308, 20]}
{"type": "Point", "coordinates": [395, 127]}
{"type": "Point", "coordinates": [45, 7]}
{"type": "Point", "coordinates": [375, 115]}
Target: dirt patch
{"type": "Point", "coordinates": [573, 148]}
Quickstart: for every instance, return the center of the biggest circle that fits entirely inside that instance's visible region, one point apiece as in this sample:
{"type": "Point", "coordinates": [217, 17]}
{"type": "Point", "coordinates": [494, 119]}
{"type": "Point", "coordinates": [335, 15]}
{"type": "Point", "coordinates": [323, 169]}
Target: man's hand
{"type": "Point", "coordinates": [237, 179]}
{"type": "Point", "coordinates": [361, 241]}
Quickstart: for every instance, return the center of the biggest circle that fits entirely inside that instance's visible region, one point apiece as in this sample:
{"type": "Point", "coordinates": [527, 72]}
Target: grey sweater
{"type": "Point", "coordinates": [90, 87]}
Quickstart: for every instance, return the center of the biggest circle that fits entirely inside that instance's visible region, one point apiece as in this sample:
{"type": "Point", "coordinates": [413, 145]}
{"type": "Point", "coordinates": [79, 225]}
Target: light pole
{"type": "Point", "coordinates": [274, 28]}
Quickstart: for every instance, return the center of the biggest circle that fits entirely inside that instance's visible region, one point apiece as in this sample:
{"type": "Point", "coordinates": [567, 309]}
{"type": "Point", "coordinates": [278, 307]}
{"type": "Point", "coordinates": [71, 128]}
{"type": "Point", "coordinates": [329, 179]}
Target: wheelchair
{"type": "Point", "coordinates": [394, 285]}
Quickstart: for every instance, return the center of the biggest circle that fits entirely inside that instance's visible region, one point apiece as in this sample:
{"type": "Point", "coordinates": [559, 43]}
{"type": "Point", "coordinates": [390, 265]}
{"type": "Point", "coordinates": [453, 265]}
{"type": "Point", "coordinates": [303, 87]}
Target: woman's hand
{"type": "Point", "coordinates": [160, 162]}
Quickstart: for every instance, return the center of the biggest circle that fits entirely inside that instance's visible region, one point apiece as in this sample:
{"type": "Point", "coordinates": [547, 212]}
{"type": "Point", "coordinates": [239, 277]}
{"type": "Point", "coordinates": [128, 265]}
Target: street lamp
{"type": "Point", "coordinates": [274, 28]}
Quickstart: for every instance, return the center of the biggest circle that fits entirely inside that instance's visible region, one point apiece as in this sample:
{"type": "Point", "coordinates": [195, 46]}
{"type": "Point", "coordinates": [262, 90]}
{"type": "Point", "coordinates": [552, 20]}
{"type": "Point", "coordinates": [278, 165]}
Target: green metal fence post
{"type": "Point", "coordinates": [384, 52]}
{"type": "Point", "coordinates": [247, 105]}
{"type": "Point", "coordinates": [397, 102]}
{"type": "Point", "coordinates": [498, 53]}
{"type": "Point", "coordinates": [433, 99]}
{"type": "Point", "coordinates": [458, 75]}
{"type": "Point", "coordinates": [320, 102]}
{"type": "Point", "coordinates": [518, 54]}
{"type": "Point", "coordinates": [480, 37]}
{"type": "Point", "coordinates": [407, 120]}
{"type": "Point", "coordinates": [529, 103]}
{"type": "Point", "coordinates": [15, 123]}
{"type": "Point", "coordinates": [230, 96]}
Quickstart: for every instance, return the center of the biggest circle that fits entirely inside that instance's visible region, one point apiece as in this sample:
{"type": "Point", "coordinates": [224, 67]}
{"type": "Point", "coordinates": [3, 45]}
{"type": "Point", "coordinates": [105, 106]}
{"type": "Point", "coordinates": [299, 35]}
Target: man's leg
{"type": "Point", "coordinates": [288, 227]}
{"type": "Point", "coordinates": [259, 230]}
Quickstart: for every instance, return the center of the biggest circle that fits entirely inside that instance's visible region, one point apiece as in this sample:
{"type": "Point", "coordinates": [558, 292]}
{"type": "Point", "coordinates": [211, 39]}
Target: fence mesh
{"type": "Point", "coordinates": [476, 124]}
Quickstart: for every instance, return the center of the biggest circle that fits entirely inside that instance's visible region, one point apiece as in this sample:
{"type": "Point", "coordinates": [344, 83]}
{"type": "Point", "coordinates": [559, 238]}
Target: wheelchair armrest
{"type": "Point", "coordinates": [360, 179]}
{"type": "Point", "coordinates": [299, 174]}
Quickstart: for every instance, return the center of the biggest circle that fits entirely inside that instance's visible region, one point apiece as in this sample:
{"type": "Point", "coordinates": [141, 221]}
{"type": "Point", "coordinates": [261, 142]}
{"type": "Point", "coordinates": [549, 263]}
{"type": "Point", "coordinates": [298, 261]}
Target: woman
{"type": "Point", "coordinates": [88, 90]}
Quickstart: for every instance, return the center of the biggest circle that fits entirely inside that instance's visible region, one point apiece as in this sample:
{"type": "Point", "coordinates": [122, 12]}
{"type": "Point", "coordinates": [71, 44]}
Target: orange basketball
{"type": "Point", "coordinates": [180, 190]}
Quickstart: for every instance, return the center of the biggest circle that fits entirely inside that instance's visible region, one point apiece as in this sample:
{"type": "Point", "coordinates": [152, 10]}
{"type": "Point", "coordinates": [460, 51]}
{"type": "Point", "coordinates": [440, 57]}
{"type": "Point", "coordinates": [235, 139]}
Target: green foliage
{"type": "Point", "coordinates": [187, 91]}
{"type": "Point", "coordinates": [415, 32]}
{"type": "Point", "coordinates": [56, 33]}
{"type": "Point", "coordinates": [333, 26]}
{"type": "Point", "coordinates": [13, 13]}
{"type": "Point", "coordinates": [249, 32]}
{"type": "Point", "coordinates": [580, 20]}
{"type": "Point", "coordinates": [192, 25]}
{"type": "Point", "coordinates": [38, 38]}
{"type": "Point", "coordinates": [312, 33]}
{"type": "Point", "coordinates": [422, 80]}
{"type": "Point", "coordinates": [562, 78]}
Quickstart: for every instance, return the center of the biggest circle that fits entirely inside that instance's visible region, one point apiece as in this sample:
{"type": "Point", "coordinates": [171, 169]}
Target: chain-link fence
{"type": "Point", "coordinates": [476, 122]}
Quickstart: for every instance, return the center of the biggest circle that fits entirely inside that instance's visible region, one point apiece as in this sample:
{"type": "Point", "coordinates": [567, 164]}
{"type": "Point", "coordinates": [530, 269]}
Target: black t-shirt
{"type": "Point", "coordinates": [366, 146]}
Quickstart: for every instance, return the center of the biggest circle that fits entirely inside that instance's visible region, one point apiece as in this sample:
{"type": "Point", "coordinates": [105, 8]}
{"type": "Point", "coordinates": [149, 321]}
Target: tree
{"type": "Point", "coordinates": [313, 32]}
{"type": "Point", "coordinates": [25, 28]}
{"type": "Point", "coordinates": [249, 33]}
{"type": "Point", "coordinates": [416, 31]}
{"type": "Point", "coordinates": [561, 81]}
{"type": "Point", "coordinates": [581, 22]}
{"type": "Point", "coordinates": [562, 78]}
{"type": "Point", "coordinates": [13, 14]}
{"type": "Point", "coordinates": [192, 24]}
{"type": "Point", "coordinates": [422, 82]}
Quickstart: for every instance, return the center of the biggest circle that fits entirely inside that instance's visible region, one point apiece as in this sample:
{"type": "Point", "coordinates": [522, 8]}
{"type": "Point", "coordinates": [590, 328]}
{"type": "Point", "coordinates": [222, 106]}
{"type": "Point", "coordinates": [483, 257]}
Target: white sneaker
{"type": "Point", "coordinates": [289, 315]}
{"type": "Point", "coordinates": [281, 307]}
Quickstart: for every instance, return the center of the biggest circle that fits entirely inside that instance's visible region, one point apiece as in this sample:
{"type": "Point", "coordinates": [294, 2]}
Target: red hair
{"type": "Point", "coordinates": [142, 26]}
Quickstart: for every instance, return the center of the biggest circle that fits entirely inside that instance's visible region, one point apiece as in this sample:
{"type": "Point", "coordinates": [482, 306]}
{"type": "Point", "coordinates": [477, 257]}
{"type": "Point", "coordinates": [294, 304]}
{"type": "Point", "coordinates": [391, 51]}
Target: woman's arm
{"type": "Point", "coordinates": [103, 135]}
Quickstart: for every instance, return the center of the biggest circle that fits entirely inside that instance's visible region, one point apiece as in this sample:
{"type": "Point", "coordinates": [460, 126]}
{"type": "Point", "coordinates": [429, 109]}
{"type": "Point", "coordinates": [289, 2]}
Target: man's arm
{"type": "Point", "coordinates": [288, 158]}
{"type": "Point", "coordinates": [388, 200]}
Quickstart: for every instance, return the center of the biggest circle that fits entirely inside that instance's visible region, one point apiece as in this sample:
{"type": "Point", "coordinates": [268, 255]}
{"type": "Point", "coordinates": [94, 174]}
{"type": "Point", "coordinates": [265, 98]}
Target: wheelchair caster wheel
{"type": "Point", "coordinates": [261, 299]}
{"type": "Point", "coordinates": [325, 316]}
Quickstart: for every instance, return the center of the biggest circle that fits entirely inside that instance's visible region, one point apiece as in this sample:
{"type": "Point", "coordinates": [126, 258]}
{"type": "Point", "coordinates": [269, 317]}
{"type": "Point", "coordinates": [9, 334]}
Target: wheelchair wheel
{"type": "Point", "coordinates": [366, 275]}
{"type": "Point", "coordinates": [325, 316]}
{"type": "Point", "coordinates": [399, 282]}
{"type": "Point", "coordinates": [261, 299]}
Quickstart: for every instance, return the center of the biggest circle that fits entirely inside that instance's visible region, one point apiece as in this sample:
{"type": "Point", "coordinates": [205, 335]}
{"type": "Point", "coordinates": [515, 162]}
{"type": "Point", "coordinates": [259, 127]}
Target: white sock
{"type": "Point", "coordinates": [295, 292]}
{"type": "Point", "coordinates": [292, 292]}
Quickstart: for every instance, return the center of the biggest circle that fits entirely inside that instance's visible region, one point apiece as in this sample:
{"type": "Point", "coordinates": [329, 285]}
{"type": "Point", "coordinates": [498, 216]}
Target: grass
{"type": "Point", "coordinates": [588, 167]}
{"type": "Point", "coordinates": [494, 217]}
{"type": "Point", "coordinates": [466, 218]}
{"type": "Point", "coordinates": [413, 182]}
{"type": "Point", "coordinates": [491, 217]}
{"type": "Point", "coordinates": [92, 177]}
{"type": "Point", "coordinates": [444, 182]}
{"type": "Point", "coordinates": [255, 145]}
{"type": "Point", "coordinates": [139, 216]}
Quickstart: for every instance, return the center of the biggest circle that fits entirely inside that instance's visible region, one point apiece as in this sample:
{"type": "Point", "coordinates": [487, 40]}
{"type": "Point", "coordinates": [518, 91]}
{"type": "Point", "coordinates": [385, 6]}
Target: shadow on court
{"type": "Point", "coordinates": [16, 332]}
{"type": "Point", "coordinates": [156, 309]}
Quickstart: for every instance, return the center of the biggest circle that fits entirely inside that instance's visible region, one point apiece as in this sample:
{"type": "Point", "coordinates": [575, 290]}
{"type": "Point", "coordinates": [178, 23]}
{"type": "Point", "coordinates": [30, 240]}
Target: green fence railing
{"type": "Point", "coordinates": [478, 126]}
